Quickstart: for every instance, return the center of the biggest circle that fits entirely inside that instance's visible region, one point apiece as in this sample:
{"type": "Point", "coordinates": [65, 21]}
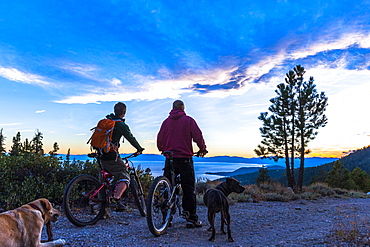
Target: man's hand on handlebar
{"type": "Point", "coordinates": [201, 153]}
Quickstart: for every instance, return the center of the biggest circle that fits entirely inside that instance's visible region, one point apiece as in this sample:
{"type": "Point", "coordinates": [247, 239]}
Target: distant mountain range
{"type": "Point", "coordinates": [359, 158]}
{"type": "Point", "coordinates": [310, 162]}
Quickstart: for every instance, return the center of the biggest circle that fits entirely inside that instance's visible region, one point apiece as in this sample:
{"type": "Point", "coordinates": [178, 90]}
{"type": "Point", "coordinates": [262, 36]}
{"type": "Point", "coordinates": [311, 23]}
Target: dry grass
{"type": "Point", "coordinates": [351, 230]}
{"type": "Point", "coordinates": [274, 191]}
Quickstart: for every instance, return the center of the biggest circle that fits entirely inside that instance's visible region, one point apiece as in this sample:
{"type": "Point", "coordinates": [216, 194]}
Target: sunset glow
{"type": "Point", "coordinates": [63, 65]}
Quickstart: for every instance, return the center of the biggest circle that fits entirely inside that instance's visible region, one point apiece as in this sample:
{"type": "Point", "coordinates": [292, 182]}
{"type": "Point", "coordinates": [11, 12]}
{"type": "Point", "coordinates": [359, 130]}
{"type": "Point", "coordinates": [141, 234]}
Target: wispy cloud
{"type": "Point", "coordinates": [234, 77]}
{"type": "Point", "coordinates": [13, 74]}
{"type": "Point", "coordinates": [40, 111]}
{"type": "Point", "coordinates": [85, 70]}
{"type": "Point", "coordinates": [10, 124]}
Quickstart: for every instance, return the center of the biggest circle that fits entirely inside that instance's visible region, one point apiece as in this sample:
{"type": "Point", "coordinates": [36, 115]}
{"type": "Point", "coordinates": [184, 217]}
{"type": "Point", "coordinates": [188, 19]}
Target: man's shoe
{"type": "Point", "coordinates": [193, 223]}
{"type": "Point", "coordinates": [117, 204]}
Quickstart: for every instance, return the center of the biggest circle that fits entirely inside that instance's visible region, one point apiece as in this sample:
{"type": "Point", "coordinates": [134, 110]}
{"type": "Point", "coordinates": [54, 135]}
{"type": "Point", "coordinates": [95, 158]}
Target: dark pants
{"type": "Point", "coordinates": [185, 167]}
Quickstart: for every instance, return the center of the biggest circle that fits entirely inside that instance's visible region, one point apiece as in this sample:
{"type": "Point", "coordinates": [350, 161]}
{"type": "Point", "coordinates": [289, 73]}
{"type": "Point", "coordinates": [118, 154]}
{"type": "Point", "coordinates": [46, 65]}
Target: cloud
{"type": "Point", "coordinates": [13, 74]}
{"type": "Point", "coordinates": [84, 70]}
{"type": "Point", "coordinates": [116, 82]}
{"type": "Point", "coordinates": [228, 76]}
{"type": "Point", "coordinates": [40, 111]}
{"type": "Point", "coordinates": [10, 124]}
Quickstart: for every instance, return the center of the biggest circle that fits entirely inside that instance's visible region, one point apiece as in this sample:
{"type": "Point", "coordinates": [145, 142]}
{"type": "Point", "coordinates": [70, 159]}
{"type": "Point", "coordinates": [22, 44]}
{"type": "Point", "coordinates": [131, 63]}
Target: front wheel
{"type": "Point", "coordinates": [138, 195]}
{"type": "Point", "coordinates": [158, 209]}
{"type": "Point", "coordinates": [84, 200]}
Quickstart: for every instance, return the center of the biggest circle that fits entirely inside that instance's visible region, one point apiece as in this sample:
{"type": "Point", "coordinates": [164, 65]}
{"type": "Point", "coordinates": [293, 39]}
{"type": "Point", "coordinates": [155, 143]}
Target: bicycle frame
{"type": "Point", "coordinates": [175, 182]}
{"type": "Point", "coordinates": [107, 177]}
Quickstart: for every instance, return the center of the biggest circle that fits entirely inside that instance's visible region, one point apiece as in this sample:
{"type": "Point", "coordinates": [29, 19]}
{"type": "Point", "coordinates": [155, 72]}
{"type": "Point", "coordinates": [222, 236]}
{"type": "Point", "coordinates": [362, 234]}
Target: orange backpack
{"type": "Point", "coordinates": [101, 138]}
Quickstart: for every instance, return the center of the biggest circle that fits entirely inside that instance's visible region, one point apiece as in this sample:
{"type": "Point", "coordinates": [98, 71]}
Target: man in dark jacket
{"type": "Point", "coordinates": [176, 134]}
{"type": "Point", "coordinates": [112, 162]}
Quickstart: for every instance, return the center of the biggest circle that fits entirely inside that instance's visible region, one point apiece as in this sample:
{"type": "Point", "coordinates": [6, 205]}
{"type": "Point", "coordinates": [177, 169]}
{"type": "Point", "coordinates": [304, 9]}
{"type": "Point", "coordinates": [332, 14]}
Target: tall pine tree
{"type": "Point", "coordinates": [295, 115]}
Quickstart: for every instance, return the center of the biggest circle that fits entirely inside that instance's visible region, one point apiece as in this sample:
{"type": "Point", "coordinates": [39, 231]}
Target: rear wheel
{"type": "Point", "coordinates": [138, 195]}
{"type": "Point", "coordinates": [84, 201]}
{"type": "Point", "coordinates": [158, 210]}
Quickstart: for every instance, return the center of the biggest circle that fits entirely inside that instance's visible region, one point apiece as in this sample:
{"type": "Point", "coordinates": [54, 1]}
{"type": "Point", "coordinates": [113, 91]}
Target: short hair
{"type": "Point", "coordinates": [119, 109]}
{"type": "Point", "coordinates": [178, 104]}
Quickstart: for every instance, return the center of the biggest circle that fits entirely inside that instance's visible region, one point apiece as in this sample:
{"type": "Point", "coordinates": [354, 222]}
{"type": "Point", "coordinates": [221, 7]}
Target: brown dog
{"type": "Point", "coordinates": [23, 226]}
{"type": "Point", "coordinates": [216, 201]}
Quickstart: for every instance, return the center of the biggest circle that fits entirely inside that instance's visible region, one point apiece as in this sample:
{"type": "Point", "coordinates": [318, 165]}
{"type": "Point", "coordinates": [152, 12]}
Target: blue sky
{"type": "Point", "coordinates": [64, 64]}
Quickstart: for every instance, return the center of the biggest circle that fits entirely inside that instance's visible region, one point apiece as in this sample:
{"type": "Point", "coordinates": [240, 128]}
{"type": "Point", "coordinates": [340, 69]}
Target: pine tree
{"type": "Point", "coordinates": [310, 115]}
{"type": "Point", "coordinates": [16, 148]}
{"type": "Point", "coordinates": [68, 156]}
{"type": "Point", "coordinates": [295, 115]}
{"type": "Point", "coordinates": [276, 131]}
{"type": "Point", "coordinates": [27, 146]}
{"type": "Point", "coordinates": [2, 142]}
{"type": "Point", "coordinates": [263, 176]}
{"type": "Point", "coordinates": [37, 143]}
{"type": "Point", "coordinates": [361, 180]}
{"type": "Point", "coordinates": [55, 149]}
{"type": "Point", "coordinates": [338, 177]}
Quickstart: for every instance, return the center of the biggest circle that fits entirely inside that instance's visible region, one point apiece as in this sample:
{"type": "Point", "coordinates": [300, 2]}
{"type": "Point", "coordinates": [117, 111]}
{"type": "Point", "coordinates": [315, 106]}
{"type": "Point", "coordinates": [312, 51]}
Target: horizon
{"type": "Point", "coordinates": [63, 71]}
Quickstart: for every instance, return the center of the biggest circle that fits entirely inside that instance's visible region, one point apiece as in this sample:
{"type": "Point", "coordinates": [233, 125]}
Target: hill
{"type": "Point", "coordinates": [243, 170]}
{"type": "Point", "coordinates": [359, 158]}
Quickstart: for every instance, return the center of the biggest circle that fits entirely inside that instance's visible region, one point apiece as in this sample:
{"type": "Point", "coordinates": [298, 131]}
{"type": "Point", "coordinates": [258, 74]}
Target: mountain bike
{"type": "Point", "coordinates": [85, 197]}
{"type": "Point", "coordinates": [164, 200]}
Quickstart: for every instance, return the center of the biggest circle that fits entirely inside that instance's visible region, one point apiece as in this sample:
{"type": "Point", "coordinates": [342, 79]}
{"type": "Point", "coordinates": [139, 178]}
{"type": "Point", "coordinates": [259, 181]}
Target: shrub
{"type": "Point", "coordinates": [30, 176]}
{"type": "Point", "coordinates": [242, 197]}
{"type": "Point", "coordinates": [275, 197]}
{"type": "Point", "coordinates": [202, 185]}
{"type": "Point", "coordinates": [310, 196]}
{"type": "Point", "coordinates": [322, 189]}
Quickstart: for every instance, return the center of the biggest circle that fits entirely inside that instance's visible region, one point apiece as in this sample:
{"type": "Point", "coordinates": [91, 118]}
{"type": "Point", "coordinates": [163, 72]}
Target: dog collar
{"type": "Point", "coordinates": [34, 207]}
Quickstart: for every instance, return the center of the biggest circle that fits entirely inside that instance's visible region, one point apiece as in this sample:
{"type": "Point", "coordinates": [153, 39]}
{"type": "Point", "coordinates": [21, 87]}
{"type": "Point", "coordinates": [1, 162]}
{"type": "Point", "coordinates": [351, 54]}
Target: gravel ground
{"type": "Point", "coordinates": [296, 223]}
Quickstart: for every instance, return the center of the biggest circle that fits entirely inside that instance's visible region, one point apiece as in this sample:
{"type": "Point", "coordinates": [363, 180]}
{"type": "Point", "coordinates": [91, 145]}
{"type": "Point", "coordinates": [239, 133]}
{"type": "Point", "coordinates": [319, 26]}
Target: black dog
{"type": "Point", "coordinates": [216, 201]}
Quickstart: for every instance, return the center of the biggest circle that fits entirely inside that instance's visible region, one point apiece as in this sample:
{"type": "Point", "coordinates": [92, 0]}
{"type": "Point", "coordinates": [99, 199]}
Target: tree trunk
{"type": "Point", "coordinates": [301, 165]}
{"type": "Point", "coordinates": [289, 175]}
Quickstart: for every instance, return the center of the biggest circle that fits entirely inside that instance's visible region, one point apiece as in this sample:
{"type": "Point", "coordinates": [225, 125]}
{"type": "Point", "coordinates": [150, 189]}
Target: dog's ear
{"type": "Point", "coordinates": [45, 204]}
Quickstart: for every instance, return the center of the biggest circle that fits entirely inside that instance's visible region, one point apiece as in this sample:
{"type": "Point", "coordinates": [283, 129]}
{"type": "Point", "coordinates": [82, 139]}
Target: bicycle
{"type": "Point", "coordinates": [164, 200]}
{"type": "Point", "coordinates": [86, 198]}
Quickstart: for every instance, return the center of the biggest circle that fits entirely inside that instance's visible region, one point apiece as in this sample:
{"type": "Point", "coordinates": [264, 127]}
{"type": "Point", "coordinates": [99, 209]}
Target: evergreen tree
{"type": "Point", "coordinates": [37, 143]}
{"type": "Point", "coordinates": [16, 148]}
{"type": "Point", "coordinates": [55, 149]}
{"type": "Point", "coordinates": [27, 146]}
{"type": "Point", "coordinates": [263, 176]}
{"type": "Point", "coordinates": [276, 131]}
{"type": "Point", "coordinates": [295, 115]}
{"type": "Point", "coordinates": [68, 156]}
{"type": "Point", "coordinates": [310, 117]}
{"type": "Point", "coordinates": [2, 142]}
{"type": "Point", "coordinates": [338, 177]}
{"type": "Point", "coordinates": [361, 180]}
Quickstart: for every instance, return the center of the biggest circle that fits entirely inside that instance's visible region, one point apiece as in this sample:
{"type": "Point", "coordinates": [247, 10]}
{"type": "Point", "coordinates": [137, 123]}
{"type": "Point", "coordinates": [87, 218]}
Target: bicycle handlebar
{"type": "Point", "coordinates": [96, 155]}
{"type": "Point", "coordinates": [200, 153]}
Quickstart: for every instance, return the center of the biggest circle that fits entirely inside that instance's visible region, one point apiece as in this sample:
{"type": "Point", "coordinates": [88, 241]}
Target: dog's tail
{"type": "Point", "coordinates": [223, 217]}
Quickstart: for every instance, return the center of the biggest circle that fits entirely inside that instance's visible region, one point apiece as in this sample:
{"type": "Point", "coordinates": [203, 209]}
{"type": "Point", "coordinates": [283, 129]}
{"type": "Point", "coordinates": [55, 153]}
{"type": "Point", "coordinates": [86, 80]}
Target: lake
{"type": "Point", "coordinates": [212, 164]}
{"type": "Point", "coordinates": [200, 168]}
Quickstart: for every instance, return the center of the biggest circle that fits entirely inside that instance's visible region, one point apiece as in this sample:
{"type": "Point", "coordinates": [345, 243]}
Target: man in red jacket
{"type": "Point", "coordinates": [176, 134]}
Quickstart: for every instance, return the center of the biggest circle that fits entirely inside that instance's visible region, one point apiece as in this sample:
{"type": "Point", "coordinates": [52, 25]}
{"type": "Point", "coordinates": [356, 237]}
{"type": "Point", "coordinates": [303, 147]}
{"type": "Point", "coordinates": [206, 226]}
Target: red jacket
{"type": "Point", "coordinates": [177, 133]}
